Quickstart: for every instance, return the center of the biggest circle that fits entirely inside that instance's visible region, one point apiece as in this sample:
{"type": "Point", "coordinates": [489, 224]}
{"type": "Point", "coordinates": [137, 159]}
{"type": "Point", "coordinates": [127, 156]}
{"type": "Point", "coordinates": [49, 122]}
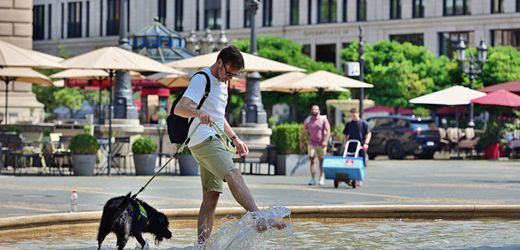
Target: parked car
{"type": "Point", "coordinates": [399, 136]}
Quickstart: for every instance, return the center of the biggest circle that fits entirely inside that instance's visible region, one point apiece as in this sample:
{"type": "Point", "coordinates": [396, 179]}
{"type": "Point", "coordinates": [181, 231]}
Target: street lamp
{"type": "Point", "coordinates": [472, 66]}
{"type": "Point", "coordinates": [361, 51]}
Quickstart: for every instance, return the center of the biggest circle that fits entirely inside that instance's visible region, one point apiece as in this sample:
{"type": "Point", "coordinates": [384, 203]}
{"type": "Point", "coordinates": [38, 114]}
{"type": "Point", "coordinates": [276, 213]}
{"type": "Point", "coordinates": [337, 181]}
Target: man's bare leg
{"type": "Point", "coordinates": [313, 167]}
{"type": "Point", "coordinates": [321, 166]}
{"type": "Point", "coordinates": [243, 196]}
{"type": "Point", "coordinates": [206, 215]}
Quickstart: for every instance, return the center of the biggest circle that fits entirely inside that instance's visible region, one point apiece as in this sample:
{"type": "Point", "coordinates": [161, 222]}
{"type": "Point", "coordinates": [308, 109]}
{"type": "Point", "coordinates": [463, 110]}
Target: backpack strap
{"type": "Point", "coordinates": [206, 93]}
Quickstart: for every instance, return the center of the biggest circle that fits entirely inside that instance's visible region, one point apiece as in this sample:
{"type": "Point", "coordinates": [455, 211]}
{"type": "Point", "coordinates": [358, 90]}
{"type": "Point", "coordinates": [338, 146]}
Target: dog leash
{"type": "Point", "coordinates": [223, 137]}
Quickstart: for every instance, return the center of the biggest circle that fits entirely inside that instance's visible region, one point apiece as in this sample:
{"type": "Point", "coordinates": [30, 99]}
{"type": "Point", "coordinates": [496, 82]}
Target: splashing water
{"type": "Point", "coordinates": [243, 234]}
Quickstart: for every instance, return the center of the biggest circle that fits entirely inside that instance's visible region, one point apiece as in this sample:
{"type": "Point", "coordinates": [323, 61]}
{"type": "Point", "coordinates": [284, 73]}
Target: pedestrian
{"type": "Point", "coordinates": [317, 128]}
{"type": "Point", "coordinates": [357, 129]}
{"type": "Point", "coordinates": [216, 162]}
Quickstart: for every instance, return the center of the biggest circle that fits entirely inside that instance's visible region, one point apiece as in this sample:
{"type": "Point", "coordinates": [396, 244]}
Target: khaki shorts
{"type": "Point", "coordinates": [215, 162]}
{"type": "Point", "coordinates": [314, 151]}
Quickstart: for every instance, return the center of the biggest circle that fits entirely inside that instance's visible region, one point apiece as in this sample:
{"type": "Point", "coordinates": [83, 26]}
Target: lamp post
{"type": "Point", "coordinates": [472, 66]}
{"type": "Point", "coordinates": [361, 50]}
{"type": "Point", "coordinates": [253, 112]}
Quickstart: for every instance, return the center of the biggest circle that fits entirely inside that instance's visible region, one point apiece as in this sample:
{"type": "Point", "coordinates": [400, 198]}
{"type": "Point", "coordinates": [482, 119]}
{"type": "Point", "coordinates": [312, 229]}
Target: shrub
{"type": "Point", "coordinates": [83, 144]}
{"type": "Point", "coordinates": [144, 145]}
{"type": "Point", "coordinates": [286, 137]}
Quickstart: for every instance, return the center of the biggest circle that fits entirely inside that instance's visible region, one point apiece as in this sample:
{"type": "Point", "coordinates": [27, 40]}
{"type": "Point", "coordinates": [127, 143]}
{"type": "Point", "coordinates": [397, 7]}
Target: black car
{"type": "Point", "coordinates": [398, 136]}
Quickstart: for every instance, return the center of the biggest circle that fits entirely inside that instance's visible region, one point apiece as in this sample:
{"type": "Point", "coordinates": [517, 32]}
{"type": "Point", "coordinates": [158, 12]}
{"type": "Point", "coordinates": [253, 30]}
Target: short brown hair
{"type": "Point", "coordinates": [353, 110]}
{"type": "Point", "coordinates": [231, 55]}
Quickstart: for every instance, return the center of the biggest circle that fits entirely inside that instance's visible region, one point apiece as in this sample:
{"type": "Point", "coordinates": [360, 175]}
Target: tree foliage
{"type": "Point", "coordinates": [290, 52]}
{"type": "Point", "coordinates": [400, 72]}
{"type": "Point", "coordinates": [71, 98]}
{"type": "Point", "coordinates": [503, 65]}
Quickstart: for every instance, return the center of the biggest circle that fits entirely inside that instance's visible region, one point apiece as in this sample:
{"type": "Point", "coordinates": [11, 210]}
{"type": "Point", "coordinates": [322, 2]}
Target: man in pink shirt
{"type": "Point", "coordinates": [317, 128]}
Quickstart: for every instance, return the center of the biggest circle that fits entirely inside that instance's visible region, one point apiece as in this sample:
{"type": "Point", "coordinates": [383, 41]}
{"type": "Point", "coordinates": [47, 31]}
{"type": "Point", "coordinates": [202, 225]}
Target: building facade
{"type": "Point", "coordinates": [16, 27]}
{"type": "Point", "coordinates": [323, 27]}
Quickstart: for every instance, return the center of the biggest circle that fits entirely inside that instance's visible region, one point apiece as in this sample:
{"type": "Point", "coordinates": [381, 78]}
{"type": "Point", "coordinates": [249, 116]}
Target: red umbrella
{"type": "Point", "coordinates": [499, 98]}
{"type": "Point", "coordinates": [513, 86]}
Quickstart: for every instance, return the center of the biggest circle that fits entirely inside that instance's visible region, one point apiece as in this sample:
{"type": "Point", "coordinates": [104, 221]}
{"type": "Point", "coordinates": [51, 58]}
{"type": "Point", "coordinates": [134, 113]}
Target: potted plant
{"type": "Point", "coordinates": [83, 148]}
{"type": "Point", "coordinates": [145, 155]}
{"type": "Point", "coordinates": [187, 164]}
{"type": "Point", "coordinates": [291, 160]}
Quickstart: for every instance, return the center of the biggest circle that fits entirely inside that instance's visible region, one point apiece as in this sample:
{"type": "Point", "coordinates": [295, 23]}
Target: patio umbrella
{"type": "Point", "coordinates": [182, 80]}
{"type": "Point", "coordinates": [323, 79]}
{"type": "Point", "coordinates": [499, 98]}
{"type": "Point", "coordinates": [28, 75]}
{"type": "Point", "coordinates": [452, 96]}
{"type": "Point", "coordinates": [513, 86]}
{"type": "Point", "coordinates": [112, 59]}
{"type": "Point", "coordinates": [13, 56]}
{"type": "Point", "coordinates": [252, 63]}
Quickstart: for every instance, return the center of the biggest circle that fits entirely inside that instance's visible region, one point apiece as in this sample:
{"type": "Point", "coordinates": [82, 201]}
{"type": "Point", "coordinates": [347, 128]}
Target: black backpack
{"type": "Point", "coordinates": [178, 126]}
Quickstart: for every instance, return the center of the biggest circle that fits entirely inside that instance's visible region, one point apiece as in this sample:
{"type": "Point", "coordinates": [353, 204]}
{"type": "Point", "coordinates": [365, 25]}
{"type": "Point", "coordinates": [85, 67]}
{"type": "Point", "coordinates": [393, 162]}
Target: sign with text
{"type": "Point", "coordinates": [353, 69]}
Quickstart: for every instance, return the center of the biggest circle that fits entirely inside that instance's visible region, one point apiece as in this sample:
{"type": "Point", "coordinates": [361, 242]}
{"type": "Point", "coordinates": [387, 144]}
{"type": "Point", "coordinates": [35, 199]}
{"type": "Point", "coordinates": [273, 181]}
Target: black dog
{"type": "Point", "coordinates": [131, 217]}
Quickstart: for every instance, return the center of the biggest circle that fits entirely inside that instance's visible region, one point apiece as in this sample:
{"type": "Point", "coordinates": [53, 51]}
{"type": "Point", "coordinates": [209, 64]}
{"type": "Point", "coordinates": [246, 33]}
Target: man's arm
{"type": "Point", "coordinates": [327, 134]}
{"type": "Point", "coordinates": [302, 137]}
{"type": "Point", "coordinates": [187, 108]}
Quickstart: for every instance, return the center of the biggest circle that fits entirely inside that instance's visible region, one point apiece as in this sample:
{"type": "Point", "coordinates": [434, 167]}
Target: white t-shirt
{"type": "Point", "coordinates": [214, 105]}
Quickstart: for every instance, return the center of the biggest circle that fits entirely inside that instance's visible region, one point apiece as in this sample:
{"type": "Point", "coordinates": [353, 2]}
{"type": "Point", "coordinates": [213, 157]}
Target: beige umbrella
{"type": "Point", "coordinates": [112, 59]}
{"type": "Point", "coordinates": [182, 80]}
{"type": "Point", "coordinates": [23, 75]}
{"type": "Point", "coordinates": [456, 95]}
{"type": "Point", "coordinates": [252, 63]}
{"type": "Point", "coordinates": [320, 81]}
{"type": "Point", "coordinates": [90, 74]}
{"type": "Point", "coordinates": [13, 56]}
{"type": "Point", "coordinates": [324, 79]}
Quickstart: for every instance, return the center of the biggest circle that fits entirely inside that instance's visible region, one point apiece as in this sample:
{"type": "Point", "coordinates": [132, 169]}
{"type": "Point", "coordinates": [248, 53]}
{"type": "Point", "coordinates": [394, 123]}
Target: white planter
{"type": "Point", "coordinates": [188, 165]}
{"type": "Point", "coordinates": [145, 164]}
{"type": "Point", "coordinates": [83, 164]}
{"type": "Point", "coordinates": [293, 165]}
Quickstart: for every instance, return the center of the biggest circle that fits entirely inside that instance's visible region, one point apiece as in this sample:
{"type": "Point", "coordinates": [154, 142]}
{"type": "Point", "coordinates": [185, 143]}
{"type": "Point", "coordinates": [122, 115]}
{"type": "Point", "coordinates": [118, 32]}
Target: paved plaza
{"type": "Point", "coordinates": [387, 182]}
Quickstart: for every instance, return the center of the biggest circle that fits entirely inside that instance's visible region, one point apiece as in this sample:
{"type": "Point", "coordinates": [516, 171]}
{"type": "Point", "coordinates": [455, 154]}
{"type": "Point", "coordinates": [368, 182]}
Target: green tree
{"type": "Point", "coordinates": [400, 72]}
{"type": "Point", "coordinates": [503, 65]}
{"type": "Point", "coordinates": [288, 51]}
{"type": "Point", "coordinates": [71, 98]}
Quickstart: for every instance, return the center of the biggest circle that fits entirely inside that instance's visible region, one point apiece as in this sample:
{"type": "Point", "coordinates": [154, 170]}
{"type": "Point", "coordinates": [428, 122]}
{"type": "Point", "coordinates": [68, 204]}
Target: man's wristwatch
{"type": "Point", "coordinates": [234, 137]}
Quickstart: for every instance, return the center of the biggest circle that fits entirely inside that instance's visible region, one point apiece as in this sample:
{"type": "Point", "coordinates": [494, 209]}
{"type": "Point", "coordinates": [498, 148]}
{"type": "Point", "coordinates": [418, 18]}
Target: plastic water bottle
{"type": "Point", "coordinates": [74, 201]}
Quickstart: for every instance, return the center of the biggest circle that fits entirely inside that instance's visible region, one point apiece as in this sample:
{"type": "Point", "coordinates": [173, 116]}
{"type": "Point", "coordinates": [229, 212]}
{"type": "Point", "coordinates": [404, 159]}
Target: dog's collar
{"type": "Point", "coordinates": [142, 212]}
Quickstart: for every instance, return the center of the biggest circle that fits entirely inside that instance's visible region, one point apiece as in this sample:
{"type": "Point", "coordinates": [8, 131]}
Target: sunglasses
{"type": "Point", "coordinates": [230, 74]}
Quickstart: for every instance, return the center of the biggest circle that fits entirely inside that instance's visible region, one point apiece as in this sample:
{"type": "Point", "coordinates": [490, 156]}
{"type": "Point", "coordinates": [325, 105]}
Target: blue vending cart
{"type": "Point", "coordinates": [349, 168]}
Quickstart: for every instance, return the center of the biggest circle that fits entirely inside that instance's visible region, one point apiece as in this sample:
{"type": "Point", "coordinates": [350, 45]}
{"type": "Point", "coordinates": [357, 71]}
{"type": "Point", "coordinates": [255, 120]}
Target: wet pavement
{"type": "Point", "coordinates": [387, 182]}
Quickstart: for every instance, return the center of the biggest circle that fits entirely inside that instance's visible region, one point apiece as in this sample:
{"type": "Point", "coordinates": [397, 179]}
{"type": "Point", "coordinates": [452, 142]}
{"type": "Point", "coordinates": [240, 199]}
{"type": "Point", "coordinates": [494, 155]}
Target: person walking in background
{"type": "Point", "coordinates": [357, 129]}
{"type": "Point", "coordinates": [216, 164]}
{"type": "Point", "coordinates": [317, 128]}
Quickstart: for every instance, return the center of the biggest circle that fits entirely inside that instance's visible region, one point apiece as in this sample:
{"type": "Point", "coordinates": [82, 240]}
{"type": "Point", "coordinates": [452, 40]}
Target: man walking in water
{"type": "Point", "coordinates": [215, 161]}
{"type": "Point", "coordinates": [317, 128]}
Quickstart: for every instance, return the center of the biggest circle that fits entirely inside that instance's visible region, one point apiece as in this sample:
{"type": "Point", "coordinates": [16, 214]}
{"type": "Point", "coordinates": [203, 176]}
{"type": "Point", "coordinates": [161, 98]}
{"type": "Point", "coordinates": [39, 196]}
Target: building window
{"type": "Point", "coordinates": [161, 11]}
{"type": "Point", "coordinates": [457, 7]}
{"type": "Point", "coordinates": [101, 18]}
{"type": "Point", "coordinates": [361, 10]}
{"type": "Point", "coordinates": [449, 40]}
{"type": "Point", "coordinates": [197, 11]}
{"type": "Point", "coordinates": [87, 21]}
{"type": "Point", "coordinates": [74, 20]}
{"type": "Point", "coordinates": [506, 38]}
{"type": "Point", "coordinates": [179, 7]}
{"type": "Point", "coordinates": [309, 12]}
{"type": "Point", "coordinates": [128, 15]}
{"type": "Point", "coordinates": [344, 10]}
{"type": "Point", "coordinates": [113, 17]}
{"type": "Point", "coordinates": [306, 49]}
{"type": "Point", "coordinates": [395, 9]}
{"type": "Point", "coordinates": [228, 14]}
{"type": "Point", "coordinates": [62, 20]}
{"type": "Point", "coordinates": [415, 39]}
{"type": "Point", "coordinates": [326, 53]}
{"type": "Point", "coordinates": [212, 18]}
{"type": "Point", "coordinates": [294, 12]}
{"type": "Point", "coordinates": [246, 14]}
{"type": "Point", "coordinates": [38, 22]}
{"type": "Point", "coordinates": [517, 5]}
{"type": "Point", "coordinates": [417, 8]}
{"type": "Point", "coordinates": [49, 23]}
{"type": "Point", "coordinates": [327, 11]}
{"type": "Point", "coordinates": [267, 9]}
{"type": "Point", "coordinates": [497, 6]}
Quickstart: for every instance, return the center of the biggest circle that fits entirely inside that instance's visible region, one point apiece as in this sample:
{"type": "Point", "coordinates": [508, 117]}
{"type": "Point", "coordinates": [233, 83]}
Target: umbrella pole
{"type": "Point", "coordinates": [111, 76]}
{"type": "Point", "coordinates": [6, 92]}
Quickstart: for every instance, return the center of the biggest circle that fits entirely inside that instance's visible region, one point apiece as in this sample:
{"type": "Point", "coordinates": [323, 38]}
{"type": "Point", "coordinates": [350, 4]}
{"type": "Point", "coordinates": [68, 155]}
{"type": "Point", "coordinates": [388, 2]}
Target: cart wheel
{"type": "Point", "coordinates": [336, 183]}
{"type": "Point", "coordinates": [353, 184]}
